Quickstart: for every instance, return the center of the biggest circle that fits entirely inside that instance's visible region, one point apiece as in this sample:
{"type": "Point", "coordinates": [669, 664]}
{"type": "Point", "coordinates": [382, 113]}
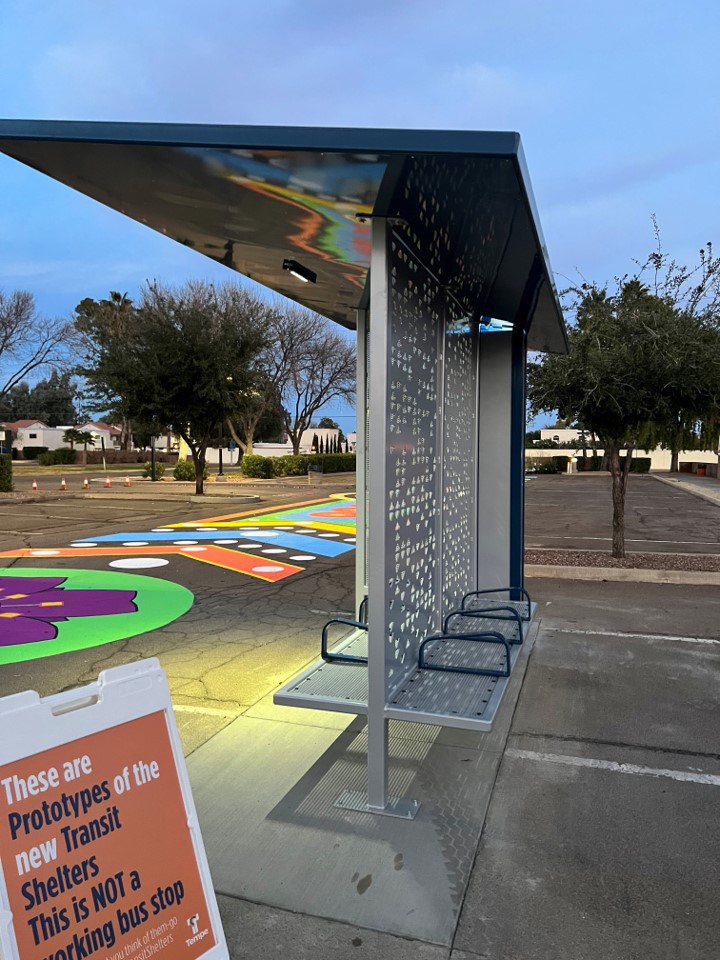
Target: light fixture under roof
{"type": "Point", "coordinates": [299, 271]}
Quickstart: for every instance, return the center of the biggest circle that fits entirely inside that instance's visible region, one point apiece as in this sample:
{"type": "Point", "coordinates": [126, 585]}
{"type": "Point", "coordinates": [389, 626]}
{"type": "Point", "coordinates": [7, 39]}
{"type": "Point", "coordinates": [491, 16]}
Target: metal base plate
{"type": "Point", "coordinates": [395, 807]}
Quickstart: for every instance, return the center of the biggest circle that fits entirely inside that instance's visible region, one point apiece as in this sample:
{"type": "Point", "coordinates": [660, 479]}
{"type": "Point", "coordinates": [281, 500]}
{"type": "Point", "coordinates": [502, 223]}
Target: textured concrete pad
{"type": "Point", "coordinates": [265, 788]}
{"type": "Point", "coordinates": [595, 863]}
{"type": "Point", "coordinates": [265, 794]}
{"type": "Point", "coordinates": [255, 932]}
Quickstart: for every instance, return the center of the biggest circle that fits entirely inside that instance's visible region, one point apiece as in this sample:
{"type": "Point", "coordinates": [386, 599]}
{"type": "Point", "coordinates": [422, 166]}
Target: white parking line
{"type": "Point", "coordinates": [684, 776]}
{"type": "Point", "coordinates": [634, 636]}
{"type": "Point", "coordinates": [701, 543]}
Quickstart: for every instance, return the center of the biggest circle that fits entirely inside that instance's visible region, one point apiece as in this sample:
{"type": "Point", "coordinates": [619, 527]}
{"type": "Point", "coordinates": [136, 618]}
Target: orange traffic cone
{"type": "Point", "coordinates": [35, 486]}
{"type": "Point", "coordinates": [107, 481]}
{"type": "Point", "coordinates": [86, 484]}
{"type": "Point", "coordinates": [63, 485]}
{"type": "Point", "coordinates": [127, 482]}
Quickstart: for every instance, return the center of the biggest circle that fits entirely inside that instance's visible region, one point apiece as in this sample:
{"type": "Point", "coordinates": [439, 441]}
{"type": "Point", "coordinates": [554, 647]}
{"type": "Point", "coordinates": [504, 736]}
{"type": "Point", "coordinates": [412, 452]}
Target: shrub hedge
{"type": "Point", "coordinates": [260, 468]}
{"type": "Point", "coordinates": [185, 470]}
{"type": "Point", "coordinates": [559, 464]}
{"type": "Point", "coordinates": [129, 456]}
{"type": "Point", "coordinates": [52, 458]}
{"type": "Point", "coordinates": [540, 465]}
{"type": "Point", "coordinates": [586, 464]}
{"type": "Point", "coordinates": [265, 468]}
{"type": "Point", "coordinates": [6, 482]}
{"type": "Point", "coordinates": [159, 470]}
{"type": "Point", "coordinates": [32, 453]}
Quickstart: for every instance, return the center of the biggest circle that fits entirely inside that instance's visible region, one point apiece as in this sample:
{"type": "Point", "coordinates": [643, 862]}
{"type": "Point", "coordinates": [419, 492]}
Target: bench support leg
{"type": "Point", "coordinates": [376, 800]}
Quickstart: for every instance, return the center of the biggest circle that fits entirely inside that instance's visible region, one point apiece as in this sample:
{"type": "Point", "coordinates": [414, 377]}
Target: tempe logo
{"type": "Point", "coordinates": [194, 922]}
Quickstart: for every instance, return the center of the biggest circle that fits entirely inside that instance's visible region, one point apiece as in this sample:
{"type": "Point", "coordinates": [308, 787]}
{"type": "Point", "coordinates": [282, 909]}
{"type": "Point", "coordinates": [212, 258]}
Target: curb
{"type": "Point", "coordinates": [688, 488]}
{"type": "Point", "coordinates": [700, 577]}
{"type": "Point", "coordinates": [224, 498]}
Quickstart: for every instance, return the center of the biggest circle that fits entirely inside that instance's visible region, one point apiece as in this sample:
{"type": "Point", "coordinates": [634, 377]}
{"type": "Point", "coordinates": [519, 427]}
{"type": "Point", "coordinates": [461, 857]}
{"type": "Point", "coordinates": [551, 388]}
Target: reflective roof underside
{"type": "Point", "coordinates": [252, 197]}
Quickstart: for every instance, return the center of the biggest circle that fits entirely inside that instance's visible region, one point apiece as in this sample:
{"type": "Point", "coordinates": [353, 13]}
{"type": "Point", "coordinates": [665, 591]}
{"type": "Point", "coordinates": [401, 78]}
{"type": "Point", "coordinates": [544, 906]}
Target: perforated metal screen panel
{"type": "Point", "coordinates": [459, 487]}
{"type": "Point", "coordinates": [416, 312]}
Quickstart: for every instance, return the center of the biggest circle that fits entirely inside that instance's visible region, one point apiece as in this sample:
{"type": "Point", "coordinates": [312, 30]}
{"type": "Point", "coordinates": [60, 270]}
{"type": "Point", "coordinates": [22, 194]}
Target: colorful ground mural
{"type": "Point", "coordinates": [283, 539]}
{"type": "Point", "coordinates": [46, 612]}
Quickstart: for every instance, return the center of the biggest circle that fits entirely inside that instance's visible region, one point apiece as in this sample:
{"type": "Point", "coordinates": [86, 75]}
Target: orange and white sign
{"type": "Point", "coordinates": [100, 853]}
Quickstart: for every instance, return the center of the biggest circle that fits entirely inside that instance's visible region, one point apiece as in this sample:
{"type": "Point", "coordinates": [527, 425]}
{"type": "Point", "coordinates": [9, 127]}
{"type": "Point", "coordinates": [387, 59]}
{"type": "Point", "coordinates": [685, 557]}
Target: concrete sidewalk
{"type": "Point", "coordinates": [584, 825]}
{"type": "Point", "coordinates": [708, 488]}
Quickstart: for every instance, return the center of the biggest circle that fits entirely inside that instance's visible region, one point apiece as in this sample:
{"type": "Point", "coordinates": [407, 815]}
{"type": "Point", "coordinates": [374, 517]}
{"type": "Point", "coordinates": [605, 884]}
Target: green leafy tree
{"type": "Point", "coordinates": [53, 400]}
{"type": "Point", "coordinates": [327, 423]}
{"type": "Point", "coordinates": [182, 359]}
{"type": "Point", "coordinates": [50, 400]}
{"type": "Point", "coordinates": [15, 404]}
{"type": "Point", "coordinates": [636, 357]}
{"type": "Point", "coordinates": [101, 325]}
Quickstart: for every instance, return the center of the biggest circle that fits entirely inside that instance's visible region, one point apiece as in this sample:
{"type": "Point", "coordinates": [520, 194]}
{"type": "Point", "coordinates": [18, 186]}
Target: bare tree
{"type": "Point", "coordinates": [258, 402]}
{"type": "Point", "coordinates": [27, 341]}
{"type": "Point", "coordinates": [312, 364]}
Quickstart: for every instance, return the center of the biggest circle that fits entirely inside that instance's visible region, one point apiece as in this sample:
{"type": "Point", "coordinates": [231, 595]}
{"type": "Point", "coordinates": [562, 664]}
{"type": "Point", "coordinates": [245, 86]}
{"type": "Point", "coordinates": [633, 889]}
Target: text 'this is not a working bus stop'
{"type": "Point", "coordinates": [428, 244]}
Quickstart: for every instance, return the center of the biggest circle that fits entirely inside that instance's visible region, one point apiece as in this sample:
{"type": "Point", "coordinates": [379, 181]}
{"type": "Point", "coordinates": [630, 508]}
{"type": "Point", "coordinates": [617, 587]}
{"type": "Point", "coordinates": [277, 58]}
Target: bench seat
{"type": "Point", "coordinates": [434, 697]}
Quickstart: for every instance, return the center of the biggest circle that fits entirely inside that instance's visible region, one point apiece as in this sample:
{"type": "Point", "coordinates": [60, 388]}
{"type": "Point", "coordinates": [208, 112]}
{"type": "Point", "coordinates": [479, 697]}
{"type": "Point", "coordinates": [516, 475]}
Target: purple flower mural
{"type": "Point", "coordinates": [30, 608]}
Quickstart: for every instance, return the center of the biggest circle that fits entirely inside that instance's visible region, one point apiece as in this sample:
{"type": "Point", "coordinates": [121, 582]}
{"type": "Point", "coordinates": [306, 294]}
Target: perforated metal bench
{"type": "Point", "coordinates": [459, 679]}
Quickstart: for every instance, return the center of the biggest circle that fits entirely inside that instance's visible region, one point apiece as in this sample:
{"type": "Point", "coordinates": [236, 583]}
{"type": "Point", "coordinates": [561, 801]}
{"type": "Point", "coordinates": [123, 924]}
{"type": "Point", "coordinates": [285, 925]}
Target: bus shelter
{"type": "Point", "coordinates": [429, 245]}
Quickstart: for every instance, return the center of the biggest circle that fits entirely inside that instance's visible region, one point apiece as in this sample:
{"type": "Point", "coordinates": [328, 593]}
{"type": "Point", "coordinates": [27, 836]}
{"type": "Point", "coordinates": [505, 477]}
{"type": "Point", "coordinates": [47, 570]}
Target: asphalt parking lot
{"type": "Point", "coordinates": [589, 829]}
{"type": "Point", "coordinates": [575, 512]}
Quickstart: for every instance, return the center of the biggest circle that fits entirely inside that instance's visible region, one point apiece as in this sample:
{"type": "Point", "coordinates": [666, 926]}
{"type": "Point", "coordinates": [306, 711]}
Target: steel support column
{"type": "Point", "coordinates": [361, 460]}
{"type": "Point", "coordinates": [517, 457]}
{"type": "Point", "coordinates": [379, 550]}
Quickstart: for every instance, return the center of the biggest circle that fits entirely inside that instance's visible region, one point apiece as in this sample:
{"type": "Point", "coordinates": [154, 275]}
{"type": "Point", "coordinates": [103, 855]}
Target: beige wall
{"type": "Point", "coordinates": [659, 459]}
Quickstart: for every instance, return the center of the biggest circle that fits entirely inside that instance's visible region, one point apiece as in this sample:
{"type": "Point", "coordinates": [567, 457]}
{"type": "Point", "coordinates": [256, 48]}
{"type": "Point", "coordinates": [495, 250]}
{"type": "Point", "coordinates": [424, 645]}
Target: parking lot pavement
{"type": "Point", "coordinates": [241, 637]}
{"type": "Point", "coordinates": [575, 512]}
{"type": "Point", "coordinates": [602, 839]}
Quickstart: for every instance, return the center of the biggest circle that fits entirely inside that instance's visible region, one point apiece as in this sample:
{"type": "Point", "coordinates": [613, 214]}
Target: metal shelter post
{"type": "Point", "coordinates": [517, 454]}
{"type": "Point", "coordinates": [494, 467]}
{"type": "Point", "coordinates": [361, 461]}
{"type": "Point", "coordinates": [377, 546]}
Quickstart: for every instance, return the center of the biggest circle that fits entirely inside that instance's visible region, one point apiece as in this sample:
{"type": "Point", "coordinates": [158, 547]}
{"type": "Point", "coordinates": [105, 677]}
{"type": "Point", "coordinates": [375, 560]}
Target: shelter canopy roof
{"type": "Point", "coordinates": [254, 197]}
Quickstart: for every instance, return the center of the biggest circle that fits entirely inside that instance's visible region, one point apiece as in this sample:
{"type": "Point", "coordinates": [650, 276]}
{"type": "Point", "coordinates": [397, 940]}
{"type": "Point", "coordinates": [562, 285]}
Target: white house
{"type": "Point", "coordinates": [35, 433]}
{"type": "Point", "coordinates": [100, 431]}
{"type": "Point", "coordinates": [31, 433]}
{"type": "Point", "coordinates": [563, 435]}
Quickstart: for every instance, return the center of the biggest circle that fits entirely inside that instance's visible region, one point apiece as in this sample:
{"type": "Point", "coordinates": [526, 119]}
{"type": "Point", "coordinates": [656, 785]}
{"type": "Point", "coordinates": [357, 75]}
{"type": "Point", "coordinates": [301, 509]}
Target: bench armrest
{"type": "Point", "coordinates": [508, 590]}
{"type": "Point", "coordinates": [487, 637]}
{"type": "Point", "coordinates": [340, 657]}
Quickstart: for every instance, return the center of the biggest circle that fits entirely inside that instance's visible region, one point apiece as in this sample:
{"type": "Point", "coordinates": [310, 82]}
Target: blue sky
{"type": "Point", "coordinates": [615, 102]}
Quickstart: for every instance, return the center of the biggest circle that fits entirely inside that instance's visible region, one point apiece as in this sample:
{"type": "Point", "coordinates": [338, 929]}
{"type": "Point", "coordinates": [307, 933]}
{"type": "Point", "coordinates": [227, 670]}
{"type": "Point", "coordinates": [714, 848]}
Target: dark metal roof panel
{"type": "Point", "coordinates": [252, 197]}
